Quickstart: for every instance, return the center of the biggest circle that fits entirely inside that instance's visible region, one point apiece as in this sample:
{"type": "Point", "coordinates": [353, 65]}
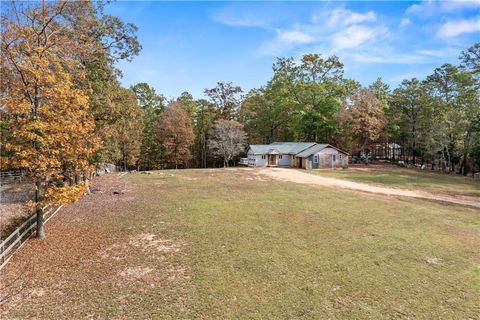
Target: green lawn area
{"type": "Point", "coordinates": [226, 244]}
{"type": "Point", "coordinates": [397, 177]}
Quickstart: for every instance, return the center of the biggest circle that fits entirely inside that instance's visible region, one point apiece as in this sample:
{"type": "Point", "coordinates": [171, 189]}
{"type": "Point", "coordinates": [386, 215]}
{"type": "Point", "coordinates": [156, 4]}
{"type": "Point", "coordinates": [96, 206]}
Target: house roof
{"type": "Point", "coordinates": [313, 149]}
{"type": "Point", "coordinates": [281, 147]}
{"type": "Point", "coordinates": [316, 148]}
{"type": "Point", "coordinates": [260, 148]}
{"type": "Point", "coordinates": [292, 147]}
{"type": "Point", "coordinates": [300, 149]}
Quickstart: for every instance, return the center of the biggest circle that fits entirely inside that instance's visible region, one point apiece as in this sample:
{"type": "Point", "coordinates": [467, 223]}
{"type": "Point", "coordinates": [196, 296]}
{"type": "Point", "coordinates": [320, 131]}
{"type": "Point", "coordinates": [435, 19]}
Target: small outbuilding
{"type": "Point", "coordinates": [307, 155]}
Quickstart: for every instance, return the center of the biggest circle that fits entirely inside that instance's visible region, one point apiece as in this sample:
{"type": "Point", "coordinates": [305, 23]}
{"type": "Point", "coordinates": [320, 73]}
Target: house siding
{"type": "Point", "coordinates": [255, 160]}
{"type": "Point", "coordinates": [325, 159]}
{"type": "Point", "coordinates": [286, 160]}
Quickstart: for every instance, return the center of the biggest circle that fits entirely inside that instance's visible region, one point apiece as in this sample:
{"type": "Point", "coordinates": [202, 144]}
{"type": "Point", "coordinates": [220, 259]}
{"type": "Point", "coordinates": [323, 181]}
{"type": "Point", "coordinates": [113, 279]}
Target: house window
{"type": "Point", "coordinates": [334, 157]}
{"type": "Point", "coordinates": [280, 156]}
{"type": "Point", "coordinates": [339, 156]}
{"type": "Point", "coordinates": [315, 159]}
{"type": "Point", "coordinates": [263, 156]}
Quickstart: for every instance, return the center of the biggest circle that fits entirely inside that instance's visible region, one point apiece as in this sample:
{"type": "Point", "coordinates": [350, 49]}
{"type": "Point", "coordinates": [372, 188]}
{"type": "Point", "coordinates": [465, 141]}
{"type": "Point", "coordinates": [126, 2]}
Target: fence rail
{"type": "Point", "coordinates": [10, 174]}
{"type": "Point", "coordinates": [22, 233]}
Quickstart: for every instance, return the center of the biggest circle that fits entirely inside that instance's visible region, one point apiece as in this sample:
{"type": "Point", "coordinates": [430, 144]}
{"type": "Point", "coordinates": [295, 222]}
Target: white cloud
{"type": "Point", "coordinates": [424, 7]}
{"type": "Point", "coordinates": [335, 30]}
{"type": "Point", "coordinates": [294, 36]}
{"type": "Point", "coordinates": [428, 8]}
{"type": "Point", "coordinates": [344, 17]}
{"type": "Point", "coordinates": [389, 56]}
{"type": "Point", "coordinates": [356, 35]}
{"type": "Point", "coordinates": [386, 58]}
{"type": "Point", "coordinates": [448, 6]}
{"type": "Point", "coordinates": [405, 22]}
{"type": "Point", "coordinates": [442, 53]}
{"type": "Point", "coordinates": [455, 28]}
{"type": "Point", "coordinates": [351, 35]}
{"type": "Point", "coordinates": [235, 18]}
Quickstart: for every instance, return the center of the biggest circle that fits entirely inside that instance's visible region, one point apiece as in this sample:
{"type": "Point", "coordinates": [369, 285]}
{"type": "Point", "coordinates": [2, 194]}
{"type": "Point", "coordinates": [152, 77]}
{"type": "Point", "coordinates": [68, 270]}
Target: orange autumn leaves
{"type": "Point", "coordinates": [46, 113]}
{"type": "Point", "coordinates": [65, 194]}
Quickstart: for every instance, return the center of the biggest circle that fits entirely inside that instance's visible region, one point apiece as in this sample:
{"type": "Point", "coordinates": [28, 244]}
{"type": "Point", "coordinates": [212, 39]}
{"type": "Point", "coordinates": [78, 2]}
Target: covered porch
{"type": "Point", "coordinates": [272, 158]}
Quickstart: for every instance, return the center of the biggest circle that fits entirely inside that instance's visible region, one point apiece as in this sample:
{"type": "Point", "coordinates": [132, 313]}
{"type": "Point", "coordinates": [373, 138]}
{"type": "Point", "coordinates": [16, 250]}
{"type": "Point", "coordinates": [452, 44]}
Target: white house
{"type": "Point", "coordinates": [308, 155]}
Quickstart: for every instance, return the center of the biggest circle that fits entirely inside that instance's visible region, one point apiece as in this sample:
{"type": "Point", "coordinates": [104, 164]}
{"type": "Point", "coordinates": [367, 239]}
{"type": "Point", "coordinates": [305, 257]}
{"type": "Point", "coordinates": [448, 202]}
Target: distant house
{"type": "Point", "coordinates": [387, 151]}
{"type": "Point", "coordinates": [307, 155]}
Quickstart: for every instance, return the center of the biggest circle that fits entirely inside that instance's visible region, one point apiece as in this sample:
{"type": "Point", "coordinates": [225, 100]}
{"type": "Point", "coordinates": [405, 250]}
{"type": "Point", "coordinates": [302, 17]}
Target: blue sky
{"type": "Point", "coordinates": [189, 46]}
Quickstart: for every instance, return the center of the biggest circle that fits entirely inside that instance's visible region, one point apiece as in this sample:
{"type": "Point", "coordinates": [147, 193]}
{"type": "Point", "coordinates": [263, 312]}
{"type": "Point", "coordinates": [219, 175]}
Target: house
{"type": "Point", "coordinates": [307, 155]}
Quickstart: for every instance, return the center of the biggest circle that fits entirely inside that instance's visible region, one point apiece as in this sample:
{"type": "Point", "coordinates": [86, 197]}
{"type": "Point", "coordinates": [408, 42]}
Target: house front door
{"type": "Point", "coordinates": [272, 159]}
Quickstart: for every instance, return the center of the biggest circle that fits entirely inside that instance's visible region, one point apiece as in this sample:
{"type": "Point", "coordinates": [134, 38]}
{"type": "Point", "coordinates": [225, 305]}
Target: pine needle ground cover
{"type": "Point", "coordinates": [232, 244]}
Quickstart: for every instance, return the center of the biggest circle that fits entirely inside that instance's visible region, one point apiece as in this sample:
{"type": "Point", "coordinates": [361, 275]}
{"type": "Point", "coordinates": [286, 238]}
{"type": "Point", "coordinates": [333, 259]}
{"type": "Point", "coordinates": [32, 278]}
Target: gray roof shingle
{"type": "Point", "coordinates": [300, 149]}
{"type": "Point", "coordinates": [313, 149]}
{"type": "Point", "coordinates": [281, 147]}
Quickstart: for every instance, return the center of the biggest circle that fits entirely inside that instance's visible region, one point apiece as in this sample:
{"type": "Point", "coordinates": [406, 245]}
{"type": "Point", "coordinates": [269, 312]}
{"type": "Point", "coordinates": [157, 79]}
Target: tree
{"type": "Point", "coordinates": [147, 97]}
{"type": "Point", "coordinates": [129, 128]}
{"type": "Point", "coordinates": [454, 97]}
{"type": "Point", "coordinates": [471, 61]}
{"type": "Point", "coordinates": [58, 82]}
{"type": "Point", "coordinates": [266, 114]}
{"type": "Point", "coordinates": [176, 134]}
{"type": "Point", "coordinates": [225, 97]}
{"type": "Point", "coordinates": [309, 92]}
{"type": "Point", "coordinates": [152, 105]}
{"type": "Point", "coordinates": [49, 119]}
{"type": "Point", "coordinates": [365, 119]}
{"type": "Point", "coordinates": [202, 124]}
{"type": "Point", "coordinates": [105, 39]}
{"type": "Point", "coordinates": [187, 102]}
{"type": "Point", "coordinates": [228, 139]}
{"type": "Point", "coordinates": [409, 100]}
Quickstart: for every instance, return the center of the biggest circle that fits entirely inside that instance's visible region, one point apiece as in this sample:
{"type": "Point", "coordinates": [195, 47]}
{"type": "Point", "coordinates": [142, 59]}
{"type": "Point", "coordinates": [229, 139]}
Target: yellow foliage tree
{"type": "Point", "coordinates": [47, 116]}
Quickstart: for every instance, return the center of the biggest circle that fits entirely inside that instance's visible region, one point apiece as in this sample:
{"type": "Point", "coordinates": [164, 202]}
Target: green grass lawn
{"type": "Point", "coordinates": [223, 244]}
{"type": "Point", "coordinates": [397, 177]}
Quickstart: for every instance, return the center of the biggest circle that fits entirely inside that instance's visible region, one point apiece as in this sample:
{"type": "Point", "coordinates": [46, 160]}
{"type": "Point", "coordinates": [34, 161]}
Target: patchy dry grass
{"type": "Point", "coordinates": [219, 244]}
{"type": "Point", "coordinates": [412, 179]}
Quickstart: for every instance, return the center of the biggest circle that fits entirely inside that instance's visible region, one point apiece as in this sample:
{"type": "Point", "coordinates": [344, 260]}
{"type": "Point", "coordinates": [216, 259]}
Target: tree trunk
{"type": "Point", "coordinates": [464, 162]}
{"type": "Point", "coordinates": [39, 212]}
{"type": "Point", "coordinates": [40, 228]}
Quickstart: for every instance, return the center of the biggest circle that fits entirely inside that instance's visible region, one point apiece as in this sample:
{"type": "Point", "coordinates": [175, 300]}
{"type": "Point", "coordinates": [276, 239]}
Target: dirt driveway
{"type": "Point", "coordinates": [306, 178]}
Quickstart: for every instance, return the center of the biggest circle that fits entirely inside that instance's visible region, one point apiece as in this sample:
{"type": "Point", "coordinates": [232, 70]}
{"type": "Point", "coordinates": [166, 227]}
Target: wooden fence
{"type": "Point", "coordinates": [22, 233]}
{"type": "Point", "coordinates": [10, 174]}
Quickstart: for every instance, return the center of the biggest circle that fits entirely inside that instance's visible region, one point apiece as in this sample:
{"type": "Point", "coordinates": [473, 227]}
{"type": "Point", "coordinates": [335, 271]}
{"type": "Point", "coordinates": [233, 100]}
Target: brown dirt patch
{"type": "Point", "coordinates": [135, 272]}
{"type": "Point", "coordinates": [306, 178]}
{"type": "Point", "coordinates": [148, 241]}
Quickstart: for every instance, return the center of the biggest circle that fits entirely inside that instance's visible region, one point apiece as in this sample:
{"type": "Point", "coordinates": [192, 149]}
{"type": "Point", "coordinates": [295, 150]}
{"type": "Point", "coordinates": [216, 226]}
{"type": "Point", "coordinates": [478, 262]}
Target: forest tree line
{"type": "Point", "coordinates": [436, 120]}
{"type": "Point", "coordinates": [64, 110]}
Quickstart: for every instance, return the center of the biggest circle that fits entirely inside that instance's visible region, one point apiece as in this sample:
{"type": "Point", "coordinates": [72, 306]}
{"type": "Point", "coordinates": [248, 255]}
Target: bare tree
{"type": "Point", "coordinates": [228, 139]}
